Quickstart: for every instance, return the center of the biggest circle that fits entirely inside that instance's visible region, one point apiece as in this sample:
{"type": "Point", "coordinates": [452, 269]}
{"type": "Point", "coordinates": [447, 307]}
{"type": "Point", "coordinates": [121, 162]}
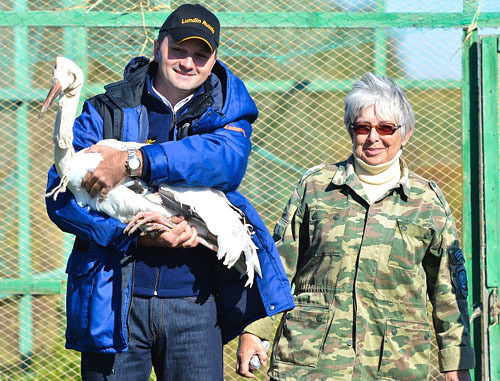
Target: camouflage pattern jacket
{"type": "Point", "coordinates": [362, 275]}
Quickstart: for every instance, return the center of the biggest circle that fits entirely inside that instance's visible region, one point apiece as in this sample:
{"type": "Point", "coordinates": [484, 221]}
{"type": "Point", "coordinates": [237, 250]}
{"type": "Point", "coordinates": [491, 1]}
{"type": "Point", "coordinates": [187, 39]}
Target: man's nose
{"type": "Point", "coordinates": [187, 62]}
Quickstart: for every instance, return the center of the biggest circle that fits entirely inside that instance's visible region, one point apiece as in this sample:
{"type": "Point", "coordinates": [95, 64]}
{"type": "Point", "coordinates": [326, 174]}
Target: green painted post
{"type": "Point", "coordinates": [490, 83]}
{"type": "Point", "coordinates": [471, 219]}
{"type": "Point", "coordinates": [380, 59]}
{"type": "Point", "coordinates": [22, 83]}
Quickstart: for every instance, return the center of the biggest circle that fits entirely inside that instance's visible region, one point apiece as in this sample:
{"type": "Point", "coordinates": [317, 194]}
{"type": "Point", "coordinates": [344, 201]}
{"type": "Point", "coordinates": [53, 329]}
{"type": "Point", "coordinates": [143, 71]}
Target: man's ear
{"type": "Point", "coordinates": [156, 51]}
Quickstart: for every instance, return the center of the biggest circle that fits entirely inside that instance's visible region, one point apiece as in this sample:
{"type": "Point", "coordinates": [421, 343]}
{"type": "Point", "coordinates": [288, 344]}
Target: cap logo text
{"type": "Point", "coordinates": [210, 27]}
{"type": "Point", "coordinates": [196, 20]}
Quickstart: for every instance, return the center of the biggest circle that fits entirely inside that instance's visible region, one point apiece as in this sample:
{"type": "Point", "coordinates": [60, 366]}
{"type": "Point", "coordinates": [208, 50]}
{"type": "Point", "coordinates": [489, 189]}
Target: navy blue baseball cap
{"type": "Point", "coordinates": [192, 21]}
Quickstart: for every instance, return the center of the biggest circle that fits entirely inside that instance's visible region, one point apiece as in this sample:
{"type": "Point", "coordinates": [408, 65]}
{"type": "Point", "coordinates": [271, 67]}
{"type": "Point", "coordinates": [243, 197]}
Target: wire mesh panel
{"type": "Point", "coordinates": [297, 72]}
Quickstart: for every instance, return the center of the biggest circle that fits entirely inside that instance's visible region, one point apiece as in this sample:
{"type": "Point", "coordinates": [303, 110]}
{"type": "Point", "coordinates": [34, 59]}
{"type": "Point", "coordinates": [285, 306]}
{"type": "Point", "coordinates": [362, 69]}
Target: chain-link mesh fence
{"type": "Point", "coordinates": [297, 69]}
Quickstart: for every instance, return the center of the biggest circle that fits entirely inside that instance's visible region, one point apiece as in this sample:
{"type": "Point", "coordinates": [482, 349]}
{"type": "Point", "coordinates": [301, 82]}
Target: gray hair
{"type": "Point", "coordinates": [389, 99]}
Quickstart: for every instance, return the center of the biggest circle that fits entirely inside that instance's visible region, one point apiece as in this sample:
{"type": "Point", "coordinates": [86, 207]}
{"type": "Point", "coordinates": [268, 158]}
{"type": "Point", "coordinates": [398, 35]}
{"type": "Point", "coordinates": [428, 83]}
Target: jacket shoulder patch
{"type": "Point", "coordinates": [237, 129]}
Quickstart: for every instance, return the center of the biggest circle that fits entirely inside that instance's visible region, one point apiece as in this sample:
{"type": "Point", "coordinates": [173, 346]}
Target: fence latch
{"type": "Point", "coordinates": [494, 307]}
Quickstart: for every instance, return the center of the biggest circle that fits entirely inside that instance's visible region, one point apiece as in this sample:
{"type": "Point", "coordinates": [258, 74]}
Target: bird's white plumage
{"type": "Point", "coordinates": [219, 216]}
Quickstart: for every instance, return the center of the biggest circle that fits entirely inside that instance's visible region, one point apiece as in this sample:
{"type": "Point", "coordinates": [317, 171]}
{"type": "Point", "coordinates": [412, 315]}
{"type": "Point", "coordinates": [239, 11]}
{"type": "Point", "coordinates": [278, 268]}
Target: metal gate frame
{"type": "Point", "coordinates": [481, 208]}
{"type": "Point", "coordinates": [490, 253]}
{"type": "Point", "coordinates": [481, 237]}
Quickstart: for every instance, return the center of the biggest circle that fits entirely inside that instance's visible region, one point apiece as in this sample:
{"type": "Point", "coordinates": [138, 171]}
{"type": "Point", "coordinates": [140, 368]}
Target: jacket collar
{"type": "Point", "coordinates": [345, 175]}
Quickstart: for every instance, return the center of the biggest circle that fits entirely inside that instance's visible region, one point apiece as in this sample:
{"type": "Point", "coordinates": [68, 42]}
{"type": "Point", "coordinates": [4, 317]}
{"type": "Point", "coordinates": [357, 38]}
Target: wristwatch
{"type": "Point", "coordinates": [133, 163]}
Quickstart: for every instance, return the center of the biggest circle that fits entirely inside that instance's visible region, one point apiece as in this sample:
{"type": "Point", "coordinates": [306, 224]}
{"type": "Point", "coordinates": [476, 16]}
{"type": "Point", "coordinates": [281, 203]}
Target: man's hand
{"type": "Point", "coordinates": [110, 172]}
{"type": "Point", "coordinates": [170, 232]}
{"type": "Point", "coordinates": [248, 346]}
{"type": "Point", "coordinates": [457, 375]}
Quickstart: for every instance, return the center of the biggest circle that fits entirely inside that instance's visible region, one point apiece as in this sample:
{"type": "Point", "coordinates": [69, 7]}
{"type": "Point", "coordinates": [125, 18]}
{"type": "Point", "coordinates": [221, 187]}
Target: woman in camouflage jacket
{"type": "Point", "coordinates": [365, 242]}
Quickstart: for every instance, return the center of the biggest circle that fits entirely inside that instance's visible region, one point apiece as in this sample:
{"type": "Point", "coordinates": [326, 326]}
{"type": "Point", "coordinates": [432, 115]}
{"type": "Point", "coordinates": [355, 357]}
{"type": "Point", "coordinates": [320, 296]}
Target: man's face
{"type": "Point", "coordinates": [184, 67]}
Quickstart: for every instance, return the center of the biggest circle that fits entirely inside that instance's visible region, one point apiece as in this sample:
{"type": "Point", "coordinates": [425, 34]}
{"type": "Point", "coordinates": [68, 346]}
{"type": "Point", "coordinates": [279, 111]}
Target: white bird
{"type": "Point", "coordinates": [221, 226]}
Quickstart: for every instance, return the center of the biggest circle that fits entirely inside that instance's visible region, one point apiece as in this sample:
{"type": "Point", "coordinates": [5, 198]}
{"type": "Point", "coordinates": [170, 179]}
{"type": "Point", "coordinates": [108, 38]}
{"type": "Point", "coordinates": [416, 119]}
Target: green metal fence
{"type": "Point", "coordinates": [298, 59]}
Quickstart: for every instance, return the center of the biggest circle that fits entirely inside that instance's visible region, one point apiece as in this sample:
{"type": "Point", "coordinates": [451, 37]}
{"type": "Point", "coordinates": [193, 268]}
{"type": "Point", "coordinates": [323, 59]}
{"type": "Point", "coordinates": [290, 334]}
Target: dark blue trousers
{"type": "Point", "coordinates": [178, 337]}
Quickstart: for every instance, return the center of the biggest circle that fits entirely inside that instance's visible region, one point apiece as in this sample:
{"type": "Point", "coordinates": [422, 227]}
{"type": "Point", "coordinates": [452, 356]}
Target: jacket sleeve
{"type": "Point", "coordinates": [447, 288]}
{"type": "Point", "coordinates": [65, 211]}
{"type": "Point", "coordinates": [290, 241]}
{"type": "Point", "coordinates": [215, 159]}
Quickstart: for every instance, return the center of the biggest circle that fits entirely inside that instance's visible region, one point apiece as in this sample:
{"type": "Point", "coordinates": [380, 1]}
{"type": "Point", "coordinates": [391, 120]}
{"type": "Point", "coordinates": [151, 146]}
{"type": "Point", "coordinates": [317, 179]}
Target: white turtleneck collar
{"type": "Point", "coordinates": [378, 179]}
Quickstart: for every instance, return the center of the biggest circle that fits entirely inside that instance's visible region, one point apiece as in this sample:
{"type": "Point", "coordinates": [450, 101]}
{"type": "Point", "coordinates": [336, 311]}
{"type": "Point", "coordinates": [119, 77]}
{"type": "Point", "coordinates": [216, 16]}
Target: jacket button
{"type": "Point", "coordinates": [349, 342]}
{"type": "Point", "coordinates": [271, 307]}
{"type": "Point", "coordinates": [403, 228]}
{"type": "Point", "coordinates": [209, 113]}
{"type": "Point", "coordinates": [427, 336]}
{"type": "Point", "coordinates": [427, 236]}
{"type": "Point", "coordinates": [394, 331]}
{"type": "Point", "coordinates": [319, 318]}
{"type": "Point", "coordinates": [336, 217]}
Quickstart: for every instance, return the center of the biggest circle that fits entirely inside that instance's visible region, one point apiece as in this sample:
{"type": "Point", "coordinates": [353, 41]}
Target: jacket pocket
{"type": "Point", "coordinates": [409, 246]}
{"type": "Point", "coordinates": [89, 302]}
{"type": "Point", "coordinates": [326, 230]}
{"type": "Point", "coordinates": [406, 351]}
{"type": "Point", "coordinates": [81, 263]}
{"type": "Point", "coordinates": [302, 335]}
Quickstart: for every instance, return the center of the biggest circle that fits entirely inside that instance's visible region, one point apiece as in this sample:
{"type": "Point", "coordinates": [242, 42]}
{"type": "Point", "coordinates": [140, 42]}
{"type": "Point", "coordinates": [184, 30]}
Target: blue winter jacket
{"type": "Point", "coordinates": [210, 149]}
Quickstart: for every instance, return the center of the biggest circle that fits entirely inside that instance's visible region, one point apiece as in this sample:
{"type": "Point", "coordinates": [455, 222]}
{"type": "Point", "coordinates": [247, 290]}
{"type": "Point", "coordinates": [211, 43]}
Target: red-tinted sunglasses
{"type": "Point", "coordinates": [383, 129]}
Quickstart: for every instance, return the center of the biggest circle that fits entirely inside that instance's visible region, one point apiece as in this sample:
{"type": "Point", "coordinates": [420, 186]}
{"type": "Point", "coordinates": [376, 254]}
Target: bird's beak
{"type": "Point", "coordinates": [54, 91]}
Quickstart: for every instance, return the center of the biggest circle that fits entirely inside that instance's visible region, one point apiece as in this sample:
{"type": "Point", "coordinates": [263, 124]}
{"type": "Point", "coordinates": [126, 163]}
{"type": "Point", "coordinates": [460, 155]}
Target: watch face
{"type": "Point", "coordinates": [134, 163]}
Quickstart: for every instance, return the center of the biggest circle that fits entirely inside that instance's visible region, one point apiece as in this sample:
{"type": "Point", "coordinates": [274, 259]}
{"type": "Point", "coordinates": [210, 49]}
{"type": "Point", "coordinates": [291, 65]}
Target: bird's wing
{"type": "Point", "coordinates": [170, 202]}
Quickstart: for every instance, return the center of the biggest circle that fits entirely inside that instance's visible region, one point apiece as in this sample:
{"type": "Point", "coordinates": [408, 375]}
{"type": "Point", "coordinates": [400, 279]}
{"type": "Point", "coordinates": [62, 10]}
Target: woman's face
{"type": "Point", "coordinates": [374, 149]}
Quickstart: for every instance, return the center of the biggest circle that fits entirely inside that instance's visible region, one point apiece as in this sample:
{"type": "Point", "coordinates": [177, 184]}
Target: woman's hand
{"type": "Point", "coordinates": [457, 375]}
{"type": "Point", "coordinates": [249, 345]}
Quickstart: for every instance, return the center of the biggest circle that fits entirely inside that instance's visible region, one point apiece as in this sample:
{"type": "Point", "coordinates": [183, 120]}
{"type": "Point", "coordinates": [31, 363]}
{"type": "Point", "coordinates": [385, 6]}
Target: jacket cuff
{"type": "Point", "coordinates": [124, 243]}
{"type": "Point", "coordinates": [157, 163]}
{"type": "Point", "coordinates": [456, 358]}
{"type": "Point", "coordinates": [262, 328]}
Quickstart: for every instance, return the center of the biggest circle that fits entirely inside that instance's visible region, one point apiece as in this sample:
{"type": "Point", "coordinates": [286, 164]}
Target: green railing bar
{"type": "Point", "coordinates": [275, 159]}
{"type": "Point", "coordinates": [471, 204]}
{"type": "Point", "coordinates": [356, 20]}
{"type": "Point", "coordinates": [28, 286]}
{"type": "Point", "coordinates": [258, 86]}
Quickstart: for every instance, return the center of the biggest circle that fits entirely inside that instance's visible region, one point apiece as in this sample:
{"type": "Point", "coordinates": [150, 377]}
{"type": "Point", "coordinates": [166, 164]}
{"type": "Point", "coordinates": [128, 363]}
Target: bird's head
{"type": "Point", "coordinates": [67, 80]}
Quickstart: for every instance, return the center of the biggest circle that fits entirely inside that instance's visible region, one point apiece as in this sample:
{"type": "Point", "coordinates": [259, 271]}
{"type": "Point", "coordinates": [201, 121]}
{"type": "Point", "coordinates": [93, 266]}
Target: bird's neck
{"type": "Point", "coordinates": [63, 133]}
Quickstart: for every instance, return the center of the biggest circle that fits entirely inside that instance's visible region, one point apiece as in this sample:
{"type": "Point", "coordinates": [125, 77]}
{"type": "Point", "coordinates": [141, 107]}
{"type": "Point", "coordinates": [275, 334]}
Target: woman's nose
{"type": "Point", "coordinates": [373, 135]}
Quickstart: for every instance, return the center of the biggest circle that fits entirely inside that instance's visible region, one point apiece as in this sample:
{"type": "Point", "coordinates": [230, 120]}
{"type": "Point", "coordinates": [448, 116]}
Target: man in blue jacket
{"type": "Point", "coordinates": [167, 302]}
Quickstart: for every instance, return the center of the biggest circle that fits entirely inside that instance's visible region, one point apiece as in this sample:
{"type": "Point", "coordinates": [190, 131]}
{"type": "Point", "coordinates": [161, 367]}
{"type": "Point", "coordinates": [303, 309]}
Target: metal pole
{"type": "Point", "coordinates": [23, 82]}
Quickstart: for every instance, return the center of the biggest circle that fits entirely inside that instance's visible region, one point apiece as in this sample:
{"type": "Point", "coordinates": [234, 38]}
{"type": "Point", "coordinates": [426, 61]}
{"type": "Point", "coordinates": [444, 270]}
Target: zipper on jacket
{"type": "Point", "coordinates": [131, 298]}
{"type": "Point", "coordinates": [171, 132]}
{"type": "Point", "coordinates": [157, 281]}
